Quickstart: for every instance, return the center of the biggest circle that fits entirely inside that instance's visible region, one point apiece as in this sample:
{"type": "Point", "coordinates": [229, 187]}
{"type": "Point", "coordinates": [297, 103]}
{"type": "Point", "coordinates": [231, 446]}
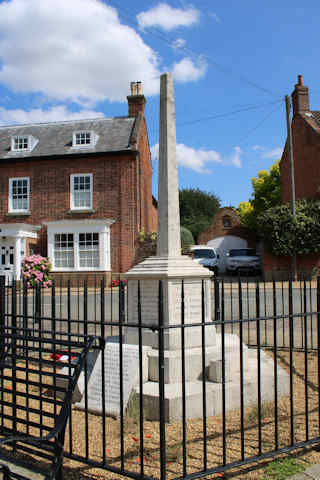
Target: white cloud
{"type": "Point", "coordinates": [196, 159]}
{"type": "Point", "coordinates": [236, 157]}
{"type": "Point", "coordinates": [178, 43]}
{"type": "Point", "coordinates": [200, 160]}
{"type": "Point", "coordinates": [168, 18]}
{"type": "Point", "coordinates": [37, 115]}
{"type": "Point", "coordinates": [257, 148]}
{"type": "Point", "coordinates": [72, 50]}
{"type": "Point", "coordinates": [187, 71]}
{"type": "Point", "coordinates": [273, 154]}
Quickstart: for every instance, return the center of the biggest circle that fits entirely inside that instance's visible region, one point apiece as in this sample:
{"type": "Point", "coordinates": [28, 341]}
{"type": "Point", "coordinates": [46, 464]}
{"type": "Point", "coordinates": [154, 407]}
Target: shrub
{"type": "Point", "coordinates": [186, 240]}
{"type": "Point", "coordinates": [35, 271]}
{"type": "Point", "coordinates": [285, 235]}
{"type": "Point", "coordinates": [148, 243]}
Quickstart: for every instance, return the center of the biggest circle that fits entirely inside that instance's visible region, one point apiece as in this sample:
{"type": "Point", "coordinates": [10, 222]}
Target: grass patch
{"type": "Point", "coordinates": [282, 469]}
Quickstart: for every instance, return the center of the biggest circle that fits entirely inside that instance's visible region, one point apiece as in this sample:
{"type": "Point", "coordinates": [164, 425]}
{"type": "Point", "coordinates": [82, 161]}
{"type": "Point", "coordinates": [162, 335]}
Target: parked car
{"type": "Point", "coordinates": [206, 256]}
{"type": "Point", "coordinates": [243, 260]}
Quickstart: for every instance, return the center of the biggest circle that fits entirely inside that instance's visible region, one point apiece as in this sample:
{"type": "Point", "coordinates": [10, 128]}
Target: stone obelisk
{"type": "Point", "coordinates": [169, 244]}
{"type": "Point", "coordinates": [169, 265]}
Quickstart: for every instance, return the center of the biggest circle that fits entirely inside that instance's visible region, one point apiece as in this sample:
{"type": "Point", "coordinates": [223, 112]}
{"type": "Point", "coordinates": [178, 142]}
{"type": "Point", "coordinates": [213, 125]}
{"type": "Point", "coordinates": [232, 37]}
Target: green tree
{"type": "Point", "coordinates": [284, 235]}
{"type": "Point", "coordinates": [266, 194]}
{"type": "Point", "coordinates": [197, 209]}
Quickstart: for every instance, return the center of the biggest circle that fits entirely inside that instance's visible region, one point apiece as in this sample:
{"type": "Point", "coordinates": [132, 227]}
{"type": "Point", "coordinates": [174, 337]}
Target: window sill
{"type": "Point", "coordinates": [84, 210]}
{"type": "Point", "coordinates": [18, 214]}
{"type": "Point", "coordinates": [79, 270]}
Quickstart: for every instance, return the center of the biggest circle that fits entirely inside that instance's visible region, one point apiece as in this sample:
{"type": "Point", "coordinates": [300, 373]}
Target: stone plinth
{"type": "Point", "coordinates": [172, 273]}
{"type": "Point", "coordinates": [214, 386]}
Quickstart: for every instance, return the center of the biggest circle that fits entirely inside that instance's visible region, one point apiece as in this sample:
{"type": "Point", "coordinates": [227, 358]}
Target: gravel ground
{"type": "Point", "coordinates": [194, 434]}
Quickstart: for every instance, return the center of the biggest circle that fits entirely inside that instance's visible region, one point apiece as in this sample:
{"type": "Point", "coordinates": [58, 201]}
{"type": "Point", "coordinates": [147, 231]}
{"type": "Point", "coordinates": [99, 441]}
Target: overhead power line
{"type": "Point", "coordinates": [169, 40]}
{"type": "Point", "coordinates": [227, 114]}
{"type": "Point", "coordinates": [261, 122]}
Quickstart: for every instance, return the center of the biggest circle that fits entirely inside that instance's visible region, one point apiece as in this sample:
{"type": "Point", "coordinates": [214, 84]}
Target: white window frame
{"type": "Point", "coordinates": [75, 227]}
{"type": "Point", "coordinates": [20, 138]}
{"type": "Point", "coordinates": [87, 251]}
{"type": "Point", "coordinates": [72, 205]}
{"type": "Point", "coordinates": [31, 143]}
{"type": "Point", "coordinates": [67, 248]}
{"type": "Point", "coordinates": [11, 209]}
{"type": "Point", "coordinates": [77, 134]}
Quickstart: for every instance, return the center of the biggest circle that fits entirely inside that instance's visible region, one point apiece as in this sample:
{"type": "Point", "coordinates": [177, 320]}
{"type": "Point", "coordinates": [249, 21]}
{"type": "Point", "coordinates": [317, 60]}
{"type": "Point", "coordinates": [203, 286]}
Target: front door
{"type": "Point", "coordinates": [7, 259]}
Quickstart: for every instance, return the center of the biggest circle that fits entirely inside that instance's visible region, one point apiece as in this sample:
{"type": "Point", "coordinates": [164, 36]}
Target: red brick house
{"type": "Point", "coordinates": [226, 233]}
{"type": "Point", "coordinates": [306, 156]}
{"type": "Point", "coordinates": [77, 191]}
{"type": "Point", "coordinates": [306, 148]}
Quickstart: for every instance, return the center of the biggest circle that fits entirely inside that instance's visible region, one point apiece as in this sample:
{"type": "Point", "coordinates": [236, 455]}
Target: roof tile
{"type": "Point", "coordinates": [56, 138]}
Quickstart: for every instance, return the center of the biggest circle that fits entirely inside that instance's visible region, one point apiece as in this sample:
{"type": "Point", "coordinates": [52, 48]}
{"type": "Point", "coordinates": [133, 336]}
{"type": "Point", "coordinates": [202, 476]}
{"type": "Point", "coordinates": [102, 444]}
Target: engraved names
{"type": "Point", "coordinates": [130, 378]}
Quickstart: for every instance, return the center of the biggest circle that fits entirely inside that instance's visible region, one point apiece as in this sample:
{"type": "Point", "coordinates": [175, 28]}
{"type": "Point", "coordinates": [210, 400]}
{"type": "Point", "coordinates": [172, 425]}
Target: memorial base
{"type": "Point", "coordinates": [173, 401]}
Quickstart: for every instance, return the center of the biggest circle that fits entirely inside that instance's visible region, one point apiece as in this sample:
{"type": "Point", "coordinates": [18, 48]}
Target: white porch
{"type": "Point", "coordinates": [13, 245]}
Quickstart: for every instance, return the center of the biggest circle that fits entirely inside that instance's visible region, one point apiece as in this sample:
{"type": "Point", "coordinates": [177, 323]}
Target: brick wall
{"type": "Point", "coordinates": [115, 195]}
{"type": "Point", "coordinates": [218, 229]}
{"type": "Point", "coordinates": [306, 156]}
{"type": "Point", "coordinates": [274, 265]}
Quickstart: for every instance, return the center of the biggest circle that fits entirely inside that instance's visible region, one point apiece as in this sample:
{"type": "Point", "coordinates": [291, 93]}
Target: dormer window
{"type": "Point", "coordinates": [84, 138]}
{"type": "Point", "coordinates": [23, 143]}
{"type": "Point", "coordinates": [81, 139]}
{"type": "Point", "coordinates": [20, 143]}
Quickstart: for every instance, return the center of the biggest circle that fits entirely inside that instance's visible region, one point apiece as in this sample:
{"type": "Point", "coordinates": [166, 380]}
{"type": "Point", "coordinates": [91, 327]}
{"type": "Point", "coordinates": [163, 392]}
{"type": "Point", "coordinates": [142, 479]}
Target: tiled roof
{"type": "Point", "coordinates": [114, 134]}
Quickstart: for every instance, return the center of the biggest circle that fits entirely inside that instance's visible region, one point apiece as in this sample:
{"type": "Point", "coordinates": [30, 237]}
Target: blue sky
{"type": "Point", "coordinates": [233, 62]}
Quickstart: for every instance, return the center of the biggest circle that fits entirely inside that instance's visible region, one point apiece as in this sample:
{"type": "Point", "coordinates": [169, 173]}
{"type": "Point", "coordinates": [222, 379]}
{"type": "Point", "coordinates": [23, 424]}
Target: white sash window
{"type": "Point", "coordinates": [81, 191]}
{"type": "Point", "coordinates": [19, 195]}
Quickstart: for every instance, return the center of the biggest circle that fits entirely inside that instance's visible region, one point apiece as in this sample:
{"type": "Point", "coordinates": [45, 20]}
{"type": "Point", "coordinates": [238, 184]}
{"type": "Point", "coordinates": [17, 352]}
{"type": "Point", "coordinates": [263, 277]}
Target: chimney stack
{"type": "Point", "coordinates": [300, 97]}
{"type": "Point", "coordinates": [136, 101]}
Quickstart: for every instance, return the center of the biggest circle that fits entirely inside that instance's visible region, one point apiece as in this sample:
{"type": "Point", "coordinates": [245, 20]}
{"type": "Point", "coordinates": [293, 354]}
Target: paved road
{"type": "Point", "coordinates": [264, 308]}
{"type": "Point", "coordinates": [74, 308]}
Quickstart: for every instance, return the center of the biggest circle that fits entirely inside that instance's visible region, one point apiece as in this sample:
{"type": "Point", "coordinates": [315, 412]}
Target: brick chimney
{"type": "Point", "coordinates": [300, 97]}
{"type": "Point", "coordinates": [136, 101]}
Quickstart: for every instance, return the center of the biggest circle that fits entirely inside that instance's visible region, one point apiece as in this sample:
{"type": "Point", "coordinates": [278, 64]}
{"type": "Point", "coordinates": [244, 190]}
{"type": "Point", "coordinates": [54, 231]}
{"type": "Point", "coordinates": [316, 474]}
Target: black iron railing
{"type": "Point", "coordinates": [257, 389]}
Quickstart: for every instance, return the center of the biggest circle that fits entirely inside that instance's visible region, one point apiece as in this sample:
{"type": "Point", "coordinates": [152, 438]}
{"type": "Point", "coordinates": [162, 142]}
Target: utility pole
{"type": "Point", "coordinates": [292, 187]}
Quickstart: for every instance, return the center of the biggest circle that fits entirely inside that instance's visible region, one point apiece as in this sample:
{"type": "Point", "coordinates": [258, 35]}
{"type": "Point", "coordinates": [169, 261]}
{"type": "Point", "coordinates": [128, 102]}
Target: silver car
{"type": "Point", "coordinates": [206, 256]}
{"type": "Point", "coordinates": [243, 260]}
